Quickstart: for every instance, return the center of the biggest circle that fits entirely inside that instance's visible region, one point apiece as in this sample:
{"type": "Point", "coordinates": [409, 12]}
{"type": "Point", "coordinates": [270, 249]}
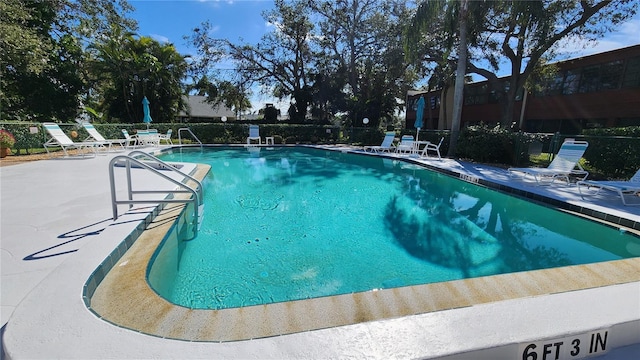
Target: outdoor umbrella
{"type": "Point", "coordinates": [419, 113]}
{"type": "Point", "coordinates": [145, 108]}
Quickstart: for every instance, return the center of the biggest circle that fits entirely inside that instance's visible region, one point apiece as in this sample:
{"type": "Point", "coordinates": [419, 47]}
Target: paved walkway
{"type": "Point", "coordinates": [50, 209]}
{"type": "Point", "coordinates": [56, 219]}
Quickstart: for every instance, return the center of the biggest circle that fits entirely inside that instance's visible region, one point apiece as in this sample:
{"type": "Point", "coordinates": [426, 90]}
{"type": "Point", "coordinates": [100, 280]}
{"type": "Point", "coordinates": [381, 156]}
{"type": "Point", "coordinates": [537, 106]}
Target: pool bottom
{"type": "Point", "coordinates": [125, 299]}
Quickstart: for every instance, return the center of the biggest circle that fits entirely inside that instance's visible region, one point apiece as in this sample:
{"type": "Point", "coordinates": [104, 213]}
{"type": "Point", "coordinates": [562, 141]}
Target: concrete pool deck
{"type": "Point", "coordinates": [57, 227]}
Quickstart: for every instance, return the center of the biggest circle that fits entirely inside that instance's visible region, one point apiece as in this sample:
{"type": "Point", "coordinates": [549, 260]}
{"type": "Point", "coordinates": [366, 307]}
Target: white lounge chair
{"type": "Point", "coordinates": [59, 139]}
{"type": "Point", "coordinates": [564, 164]}
{"type": "Point", "coordinates": [630, 188]}
{"type": "Point", "coordinates": [254, 134]}
{"type": "Point", "coordinates": [148, 137]}
{"type": "Point", "coordinates": [166, 137]}
{"type": "Point", "coordinates": [387, 143]}
{"type": "Point", "coordinates": [154, 137]}
{"type": "Point", "coordinates": [432, 147]}
{"type": "Point", "coordinates": [132, 141]}
{"type": "Point", "coordinates": [406, 144]}
{"type": "Point", "coordinates": [94, 135]}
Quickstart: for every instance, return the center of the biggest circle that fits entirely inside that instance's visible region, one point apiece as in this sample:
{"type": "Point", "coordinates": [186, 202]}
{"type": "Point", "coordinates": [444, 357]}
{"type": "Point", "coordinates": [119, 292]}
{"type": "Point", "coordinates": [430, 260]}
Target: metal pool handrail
{"type": "Point", "coordinates": [190, 132]}
{"type": "Point", "coordinates": [196, 194]}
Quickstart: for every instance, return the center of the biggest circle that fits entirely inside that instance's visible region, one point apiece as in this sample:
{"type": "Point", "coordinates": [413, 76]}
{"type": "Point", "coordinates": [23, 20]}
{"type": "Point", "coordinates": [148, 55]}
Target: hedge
{"type": "Point", "coordinates": [498, 145]}
{"type": "Point", "coordinates": [31, 135]}
{"type": "Point", "coordinates": [615, 152]}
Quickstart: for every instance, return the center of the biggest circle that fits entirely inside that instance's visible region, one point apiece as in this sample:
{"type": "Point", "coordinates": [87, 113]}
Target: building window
{"type": "Point", "coordinates": [413, 103]}
{"type": "Point", "coordinates": [632, 73]}
{"type": "Point", "coordinates": [590, 79]}
{"type": "Point", "coordinates": [571, 81]}
{"type": "Point", "coordinates": [475, 95]}
{"type": "Point", "coordinates": [610, 75]}
{"type": "Point", "coordinates": [434, 101]}
{"type": "Point", "coordinates": [554, 86]}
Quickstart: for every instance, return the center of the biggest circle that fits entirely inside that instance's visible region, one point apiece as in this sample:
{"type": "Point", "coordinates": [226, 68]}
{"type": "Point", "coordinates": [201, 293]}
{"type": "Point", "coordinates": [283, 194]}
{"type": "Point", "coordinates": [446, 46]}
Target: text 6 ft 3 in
{"type": "Point", "coordinates": [571, 347]}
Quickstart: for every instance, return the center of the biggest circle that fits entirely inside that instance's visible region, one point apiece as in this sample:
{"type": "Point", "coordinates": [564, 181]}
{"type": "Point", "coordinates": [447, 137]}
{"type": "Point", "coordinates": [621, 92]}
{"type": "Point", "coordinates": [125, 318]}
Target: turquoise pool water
{"type": "Point", "coordinates": [285, 224]}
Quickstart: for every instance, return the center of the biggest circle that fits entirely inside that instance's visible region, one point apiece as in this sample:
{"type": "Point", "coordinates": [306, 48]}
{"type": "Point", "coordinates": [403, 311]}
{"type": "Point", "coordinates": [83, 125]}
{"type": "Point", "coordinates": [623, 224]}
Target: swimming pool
{"type": "Point", "coordinates": [284, 224]}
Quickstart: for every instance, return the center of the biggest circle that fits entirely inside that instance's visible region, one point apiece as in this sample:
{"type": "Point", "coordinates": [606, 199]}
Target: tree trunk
{"type": "Point", "coordinates": [509, 103]}
{"type": "Point", "coordinates": [442, 122]}
{"type": "Point", "coordinates": [458, 92]}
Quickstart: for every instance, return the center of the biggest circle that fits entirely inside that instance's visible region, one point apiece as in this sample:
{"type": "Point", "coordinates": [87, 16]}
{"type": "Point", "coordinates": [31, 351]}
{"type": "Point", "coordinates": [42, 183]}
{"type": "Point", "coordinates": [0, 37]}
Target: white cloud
{"type": "Point", "coordinates": [627, 35]}
{"type": "Point", "coordinates": [216, 3]}
{"type": "Point", "coordinates": [159, 38]}
{"type": "Point", "coordinates": [214, 29]}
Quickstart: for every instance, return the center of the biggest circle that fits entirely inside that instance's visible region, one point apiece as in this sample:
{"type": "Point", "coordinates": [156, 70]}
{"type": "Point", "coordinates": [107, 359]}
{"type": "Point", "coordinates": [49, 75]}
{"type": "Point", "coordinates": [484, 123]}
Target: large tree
{"type": "Point", "coordinates": [525, 34]}
{"type": "Point", "coordinates": [449, 27]}
{"type": "Point", "coordinates": [522, 34]}
{"type": "Point", "coordinates": [28, 59]}
{"type": "Point", "coordinates": [279, 63]}
{"type": "Point", "coordinates": [350, 62]}
{"type": "Point", "coordinates": [42, 53]}
{"type": "Point", "coordinates": [362, 48]}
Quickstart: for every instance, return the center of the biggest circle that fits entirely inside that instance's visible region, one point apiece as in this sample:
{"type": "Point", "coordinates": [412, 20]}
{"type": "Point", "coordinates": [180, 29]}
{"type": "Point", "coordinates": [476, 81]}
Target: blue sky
{"type": "Point", "coordinates": [170, 20]}
{"type": "Point", "coordinates": [235, 20]}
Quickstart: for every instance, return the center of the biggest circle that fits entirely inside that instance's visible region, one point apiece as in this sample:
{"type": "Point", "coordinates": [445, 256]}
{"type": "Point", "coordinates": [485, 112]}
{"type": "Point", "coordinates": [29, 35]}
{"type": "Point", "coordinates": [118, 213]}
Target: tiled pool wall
{"type": "Point", "coordinates": [112, 259]}
{"type": "Point", "coordinates": [169, 254]}
{"type": "Point", "coordinates": [541, 199]}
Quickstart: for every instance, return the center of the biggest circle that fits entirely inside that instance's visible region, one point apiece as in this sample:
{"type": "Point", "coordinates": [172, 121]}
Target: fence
{"type": "Point", "coordinates": [31, 135]}
{"type": "Point", "coordinates": [612, 155]}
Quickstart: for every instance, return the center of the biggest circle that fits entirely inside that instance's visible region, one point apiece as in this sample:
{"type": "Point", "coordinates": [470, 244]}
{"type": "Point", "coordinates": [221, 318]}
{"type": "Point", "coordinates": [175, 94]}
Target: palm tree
{"type": "Point", "coordinates": [128, 68]}
{"type": "Point", "coordinates": [447, 24]}
{"type": "Point", "coordinates": [458, 90]}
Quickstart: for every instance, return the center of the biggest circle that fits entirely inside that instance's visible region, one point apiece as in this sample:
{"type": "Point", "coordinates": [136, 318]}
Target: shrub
{"type": "Point", "coordinates": [24, 139]}
{"type": "Point", "coordinates": [614, 152]}
{"type": "Point", "coordinates": [367, 136]}
{"type": "Point", "coordinates": [6, 139]}
{"type": "Point", "coordinates": [493, 145]}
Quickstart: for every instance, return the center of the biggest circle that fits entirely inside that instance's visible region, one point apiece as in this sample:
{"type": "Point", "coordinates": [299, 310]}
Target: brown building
{"type": "Point", "coordinates": [601, 90]}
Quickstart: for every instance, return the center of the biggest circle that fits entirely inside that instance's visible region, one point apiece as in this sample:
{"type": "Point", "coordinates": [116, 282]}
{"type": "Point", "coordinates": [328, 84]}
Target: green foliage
{"type": "Point", "coordinates": [24, 139]}
{"type": "Point", "coordinates": [366, 136]}
{"type": "Point", "coordinates": [300, 134]}
{"type": "Point", "coordinates": [615, 152]}
{"type": "Point", "coordinates": [494, 145]}
{"type": "Point", "coordinates": [23, 36]}
{"type": "Point", "coordinates": [521, 34]}
{"type": "Point", "coordinates": [353, 77]}
{"type": "Point", "coordinates": [277, 139]}
{"type": "Point", "coordinates": [612, 153]}
{"type": "Point", "coordinates": [325, 56]}
{"type": "Point", "coordinates": [277, 62]}
{"type": "Point", "coordinates": [234, 133]}
{"type": "Point", "coordinates": [43, 53]}
{"type": "Point", "coordinates": [126, 69]}
{"type": "Point", "coordinates": [39, 70]}
{"type": "Point", "coordinates": [6, 139]}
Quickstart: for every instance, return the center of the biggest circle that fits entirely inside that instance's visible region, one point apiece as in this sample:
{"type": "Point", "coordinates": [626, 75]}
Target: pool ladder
{"type": "Point", "coordinates": [156, 166]}
{"type": "Point", "coordinates": [190, 132]}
